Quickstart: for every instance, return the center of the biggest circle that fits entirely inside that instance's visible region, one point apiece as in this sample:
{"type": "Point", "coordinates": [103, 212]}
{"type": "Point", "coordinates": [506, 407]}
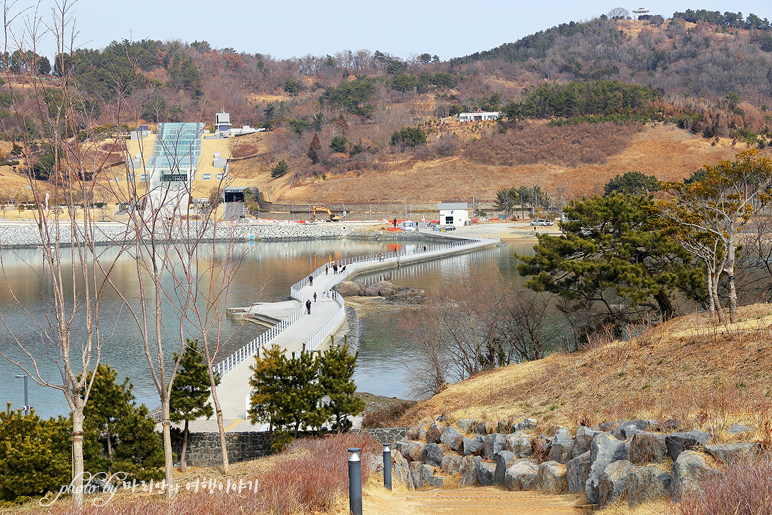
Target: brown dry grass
{"type": "Point", "coordinates": [665, 151]}
{"type": "Point", "coordinates": [690, 369]}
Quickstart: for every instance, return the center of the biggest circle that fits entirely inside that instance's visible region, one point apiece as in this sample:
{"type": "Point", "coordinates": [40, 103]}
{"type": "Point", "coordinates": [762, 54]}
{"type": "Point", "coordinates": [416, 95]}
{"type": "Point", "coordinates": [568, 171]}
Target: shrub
{"type": "Point", "coordinates": [409, 137]}
{"type": "Point", "coordinates": [280, 169]}
{"type": "Point", "coordinates": [743, 488]}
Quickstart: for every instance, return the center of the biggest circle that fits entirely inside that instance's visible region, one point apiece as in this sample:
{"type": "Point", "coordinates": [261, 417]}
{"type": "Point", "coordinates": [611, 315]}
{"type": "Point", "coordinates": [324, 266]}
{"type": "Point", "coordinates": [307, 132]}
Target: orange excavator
{"type": "Point", "coordinates": [333, 216]}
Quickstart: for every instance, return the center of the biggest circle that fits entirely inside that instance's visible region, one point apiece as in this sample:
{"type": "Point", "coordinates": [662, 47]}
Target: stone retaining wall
{"type": "Point", "coordinates": [204, 448]}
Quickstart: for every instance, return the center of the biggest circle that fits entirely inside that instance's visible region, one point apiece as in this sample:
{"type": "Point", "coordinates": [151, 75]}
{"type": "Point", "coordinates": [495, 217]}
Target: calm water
{"type": "Point", "coordinates": [267, 272]}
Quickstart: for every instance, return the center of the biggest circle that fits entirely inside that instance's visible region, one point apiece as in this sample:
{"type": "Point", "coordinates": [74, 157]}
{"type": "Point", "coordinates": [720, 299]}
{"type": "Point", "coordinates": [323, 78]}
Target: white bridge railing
{"type": "Point", "coordinates": [351, 264]}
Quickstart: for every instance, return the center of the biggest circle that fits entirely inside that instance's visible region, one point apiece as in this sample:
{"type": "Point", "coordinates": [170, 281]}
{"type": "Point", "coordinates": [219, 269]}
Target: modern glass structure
{"type": "Point", "coordinates": [176, 153]}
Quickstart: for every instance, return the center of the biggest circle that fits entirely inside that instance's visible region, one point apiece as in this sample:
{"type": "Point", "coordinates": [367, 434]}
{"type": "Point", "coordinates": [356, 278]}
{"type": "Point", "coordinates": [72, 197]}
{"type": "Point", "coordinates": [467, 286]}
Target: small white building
{"type": "Point", "coordinates": [454, 213]}
{"type": "Point", "coordinates": [222, 124]}
{"type": "Point", "coordinates": [480, 116]}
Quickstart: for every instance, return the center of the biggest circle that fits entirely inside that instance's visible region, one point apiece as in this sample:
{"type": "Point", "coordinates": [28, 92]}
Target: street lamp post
{"type": "Point", "coordinates": [26, 408]}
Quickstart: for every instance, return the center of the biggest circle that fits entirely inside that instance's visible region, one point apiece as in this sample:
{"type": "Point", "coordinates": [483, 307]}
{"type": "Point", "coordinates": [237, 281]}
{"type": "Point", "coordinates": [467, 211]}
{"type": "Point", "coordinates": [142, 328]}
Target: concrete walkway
{"type": "Point", "coordinates": [314, 329]}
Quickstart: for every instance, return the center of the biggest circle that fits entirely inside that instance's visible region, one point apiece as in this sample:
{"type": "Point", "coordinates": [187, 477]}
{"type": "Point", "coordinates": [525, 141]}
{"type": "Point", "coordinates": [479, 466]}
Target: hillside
{"type": "Point", "coordinates": [686, 369]}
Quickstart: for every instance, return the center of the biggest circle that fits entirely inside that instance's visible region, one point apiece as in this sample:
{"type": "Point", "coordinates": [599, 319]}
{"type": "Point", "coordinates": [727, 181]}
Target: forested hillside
{"type": "Point", "coordinates": [363, 112]}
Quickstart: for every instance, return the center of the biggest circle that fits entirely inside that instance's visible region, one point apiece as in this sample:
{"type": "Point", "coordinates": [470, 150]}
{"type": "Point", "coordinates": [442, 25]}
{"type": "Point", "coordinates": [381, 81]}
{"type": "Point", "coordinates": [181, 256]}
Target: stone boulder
{"type": "Point", "coordinates": [380, 289]}
{"type": "Point", "coordinates": [434, 433]}
{"type": "Point", "coordinates": [415, 450]}
{"type": "Point", "coordinates": [529, 423]}
{"type": "Point", "coordinates": [739, 428]}
{"type": "Point", "coordinates": [521, 475]}
{"type": "Point", "coordinates": [349, 288]}
{"type": "Point", "coordinates": [562, 444]}
{"type": "Point", "coordinates": [604, 450]}
{"type": "Point", "coordinates": [612, 482]}
{"type": "Point", "coordinates": [485, 472]}
{"type": "Point", "coordinates": [474, 446]}
{"type": "Point", "coordinates": [582, 441]}
{"type": "Point", "coordinates": [551, 477]}
{"type": "Point", "coordinates": [402, 470]}
{"type": "Point", "coordinates": [401, 446]}
{"type": "Point", "coordinates": [493, 444]}
{"type": "Point", "coordinates": [689, 470]}
{"type": "Point", "coordinates": [412, 432]}
{"type": "Point", "coordinates": [421, 474]}
{"type": "Point", "coordinates": [469, 470]}
{"type": "Point", "coordinates": [432, 455]}
{"type": "Point", "coordinates": [577, 472]}
{"type": "Point", "coordinates": [732, 452]}
{"type": "Point", "coordinates": [466, 424]}
{"type": "Point", "coordinates": [452, 464]}
{"type": "Point", "coordinates": [503, 460]}
{"type": "Point", "coordinates": [679, 442]}
{"type": "Point", "coordinates": [628, 429]}
{"type": "Point", "coordinates": [436, 481]}
{"type": "Point", "coordinates": [646, 484]}
{"type": "Point", "coordinates": [645, 447]}
{"type": "Point", "coordinates": [480, 428]}
{"type": "Point", "coordinates": [520, 445]}
{"type": "Point", "coordinates": [453, 438]}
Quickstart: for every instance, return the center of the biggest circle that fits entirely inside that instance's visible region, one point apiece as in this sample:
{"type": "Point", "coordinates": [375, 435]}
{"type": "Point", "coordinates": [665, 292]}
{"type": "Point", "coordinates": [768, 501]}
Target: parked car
{"type": "Point", "coordinates": [541, 222]}
{"type": "Point", "coordinates": [448, 228]}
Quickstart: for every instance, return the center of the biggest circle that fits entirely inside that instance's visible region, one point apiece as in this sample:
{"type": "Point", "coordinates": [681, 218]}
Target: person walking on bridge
{"type": "Point", "coordinates": [308, 306]}
{"type": "Point", "coordinates": [310, 280]}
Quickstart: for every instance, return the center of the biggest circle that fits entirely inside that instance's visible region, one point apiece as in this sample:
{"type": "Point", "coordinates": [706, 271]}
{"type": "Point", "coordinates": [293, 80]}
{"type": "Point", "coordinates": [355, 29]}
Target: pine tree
{"type": "Point", "coordinates": [313, 150]}
{"type": "Point", "coordinates": [108, 403]}
{"type": "Point", "coordinates": [190, 392]}
{"type": "Point", "coordinates": [286, 393]}
{"type": "Point", "coordinates": [336, 373]}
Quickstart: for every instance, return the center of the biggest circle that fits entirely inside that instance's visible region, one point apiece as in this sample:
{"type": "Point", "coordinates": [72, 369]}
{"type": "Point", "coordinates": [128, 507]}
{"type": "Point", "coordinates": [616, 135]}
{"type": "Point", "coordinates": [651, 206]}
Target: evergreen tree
{"type": "Point", "coordinates": [141, 452]}
{"type": "Point", "coordinates": [190, 392]}
{"type": "Point", "coordinates": [336, 371]}
{"type": "Point", "coordinates": [286, 393]}
{"type": "Point", "coordinates": [339, 144]}
{"type": "Point", "coordinates": [280, 169]}
{"type": "Point", "coordinates": [313, 149]}
{"type": "Point", "coordinates": [107, 404]}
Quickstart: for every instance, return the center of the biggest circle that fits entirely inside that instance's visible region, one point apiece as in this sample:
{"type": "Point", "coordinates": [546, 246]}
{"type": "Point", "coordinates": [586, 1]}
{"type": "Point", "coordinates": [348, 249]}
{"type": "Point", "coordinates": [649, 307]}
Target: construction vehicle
{"type": "Point", "coordinates": [333, 216]}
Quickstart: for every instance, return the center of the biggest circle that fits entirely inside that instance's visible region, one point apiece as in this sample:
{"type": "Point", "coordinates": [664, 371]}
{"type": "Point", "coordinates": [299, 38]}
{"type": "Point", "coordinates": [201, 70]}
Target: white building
{"type": "Point", "coordinates": [480, 116]}
{"type": "Point", "coordinates": [454, 213]}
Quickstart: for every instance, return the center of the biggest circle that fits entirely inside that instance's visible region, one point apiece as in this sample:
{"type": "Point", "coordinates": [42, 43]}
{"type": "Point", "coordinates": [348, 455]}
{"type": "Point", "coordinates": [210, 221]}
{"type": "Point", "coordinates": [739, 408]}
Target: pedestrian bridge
{"type": "Point", "coordinates": [327, 315]}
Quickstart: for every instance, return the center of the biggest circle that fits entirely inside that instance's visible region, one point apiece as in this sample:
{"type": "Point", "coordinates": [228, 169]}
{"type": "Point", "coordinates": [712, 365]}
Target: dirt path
{"type": "Point", "coordinates": [463, 501]}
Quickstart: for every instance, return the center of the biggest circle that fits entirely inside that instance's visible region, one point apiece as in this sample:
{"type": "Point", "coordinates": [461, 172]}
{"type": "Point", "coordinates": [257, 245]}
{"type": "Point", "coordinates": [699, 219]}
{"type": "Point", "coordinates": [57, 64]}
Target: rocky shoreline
{"type": "Point", "coordinates": [26, 235]}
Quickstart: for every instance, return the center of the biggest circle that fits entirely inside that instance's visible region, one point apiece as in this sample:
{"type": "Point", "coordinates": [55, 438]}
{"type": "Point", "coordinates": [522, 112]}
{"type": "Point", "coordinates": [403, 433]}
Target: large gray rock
{"type": "Point", "coordinates": [466, 424]}
{"type": "Point", "coordinates": [349, 288]}
{"type": "Point", "coordinates": [562, 443]}
{"type": "Point", "coordinates": [494, 443]}
{"type": "Point", "coordinates": [689, 470]}
{"type": "Point", "coordinates": [412, 432]}
{"type": "Point", "coordinates": [613, 482]}
{"type": "Point", "coordinates": [732, 452]}
{"type": "Point", "coordinates": [402, 470]}
{"type": "Point", "coordinates": [520, 445]}
{"type": "Point", "coordinates": [453, 438]}
{"type": "Point", "coordinates": [481, 429]}
{"type": "Point", "coordinates": [740, 428]}
{"type": "Point", "coordinates": [380, 289]}
{"type": "Point", "coordinates": [582, 441]}
{"type": "Point", "coordinates": [415, 450]}
{"type": "Point", "coordinates": [421, 474]}
{"type": "Point", "coordinates": [434, 433]}
{"type": "Point", "coordinates": [521, 475]}
{"type": "Point", "coordinates": [646, 484]}
{"type": "Point", "coordinates": [474, 446]}
{"type": "Point", "coordinates": [485, 472]}
{"type": "Point", "coordinates": [432, 455]}
{"type": "Point", "coordinates": [436, 481]}
{"type": "Point", "coordinates": [604, 450]}
{"type": "Point", "coordinates": [628, 429]}
{"type": "Point", "coordinates": [679, 442]}
{"type": "Point", "coordinates": [551, 477]}
{"type": "Point", "coordinates": [577, 472]}
{"type": "Point", "coordinates": [503, 460]}
{"type": "Point", "coordinates": [645, 447]}
{"type": "Point", "coordinates": [401, 446]}
{"type": "Point", "coordinates": [469, 470]}
{"type": "Point", "coordinates": [451, 464]}
{"type": "Point", "coordinates": [529, 423]}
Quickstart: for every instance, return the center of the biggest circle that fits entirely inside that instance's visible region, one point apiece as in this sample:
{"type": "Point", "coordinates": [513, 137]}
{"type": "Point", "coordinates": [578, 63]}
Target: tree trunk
{"type": "Point", "coordinates": [218, 414]}
{"type": "Point", "coordinates": [717, 300]}
{"type": "Point", "coordinates": [732, 288]}
{"type": "Point", "coordinates": [109, 443]}
{"type": "Point", "coordinates": [711, 299]}
{"type": "Point", "coordinates": [665, 304]}
{"type": "Point", "coordinates": [168, 456]}
{"type": "Point", "coordinates": [183, 466]}
{"type": "Point", "coordinates": [77, 456]}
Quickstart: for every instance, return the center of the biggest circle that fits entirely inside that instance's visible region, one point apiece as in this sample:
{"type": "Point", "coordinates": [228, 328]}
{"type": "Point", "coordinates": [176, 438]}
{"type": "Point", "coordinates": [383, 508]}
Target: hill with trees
{"type": "Point", "coordinates": [598, 85]}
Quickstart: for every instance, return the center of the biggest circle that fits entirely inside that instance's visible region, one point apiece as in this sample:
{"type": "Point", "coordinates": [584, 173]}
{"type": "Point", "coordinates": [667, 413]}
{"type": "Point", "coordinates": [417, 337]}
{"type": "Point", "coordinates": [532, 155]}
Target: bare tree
{"type": "Point", "coordinates": [46, 122]}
